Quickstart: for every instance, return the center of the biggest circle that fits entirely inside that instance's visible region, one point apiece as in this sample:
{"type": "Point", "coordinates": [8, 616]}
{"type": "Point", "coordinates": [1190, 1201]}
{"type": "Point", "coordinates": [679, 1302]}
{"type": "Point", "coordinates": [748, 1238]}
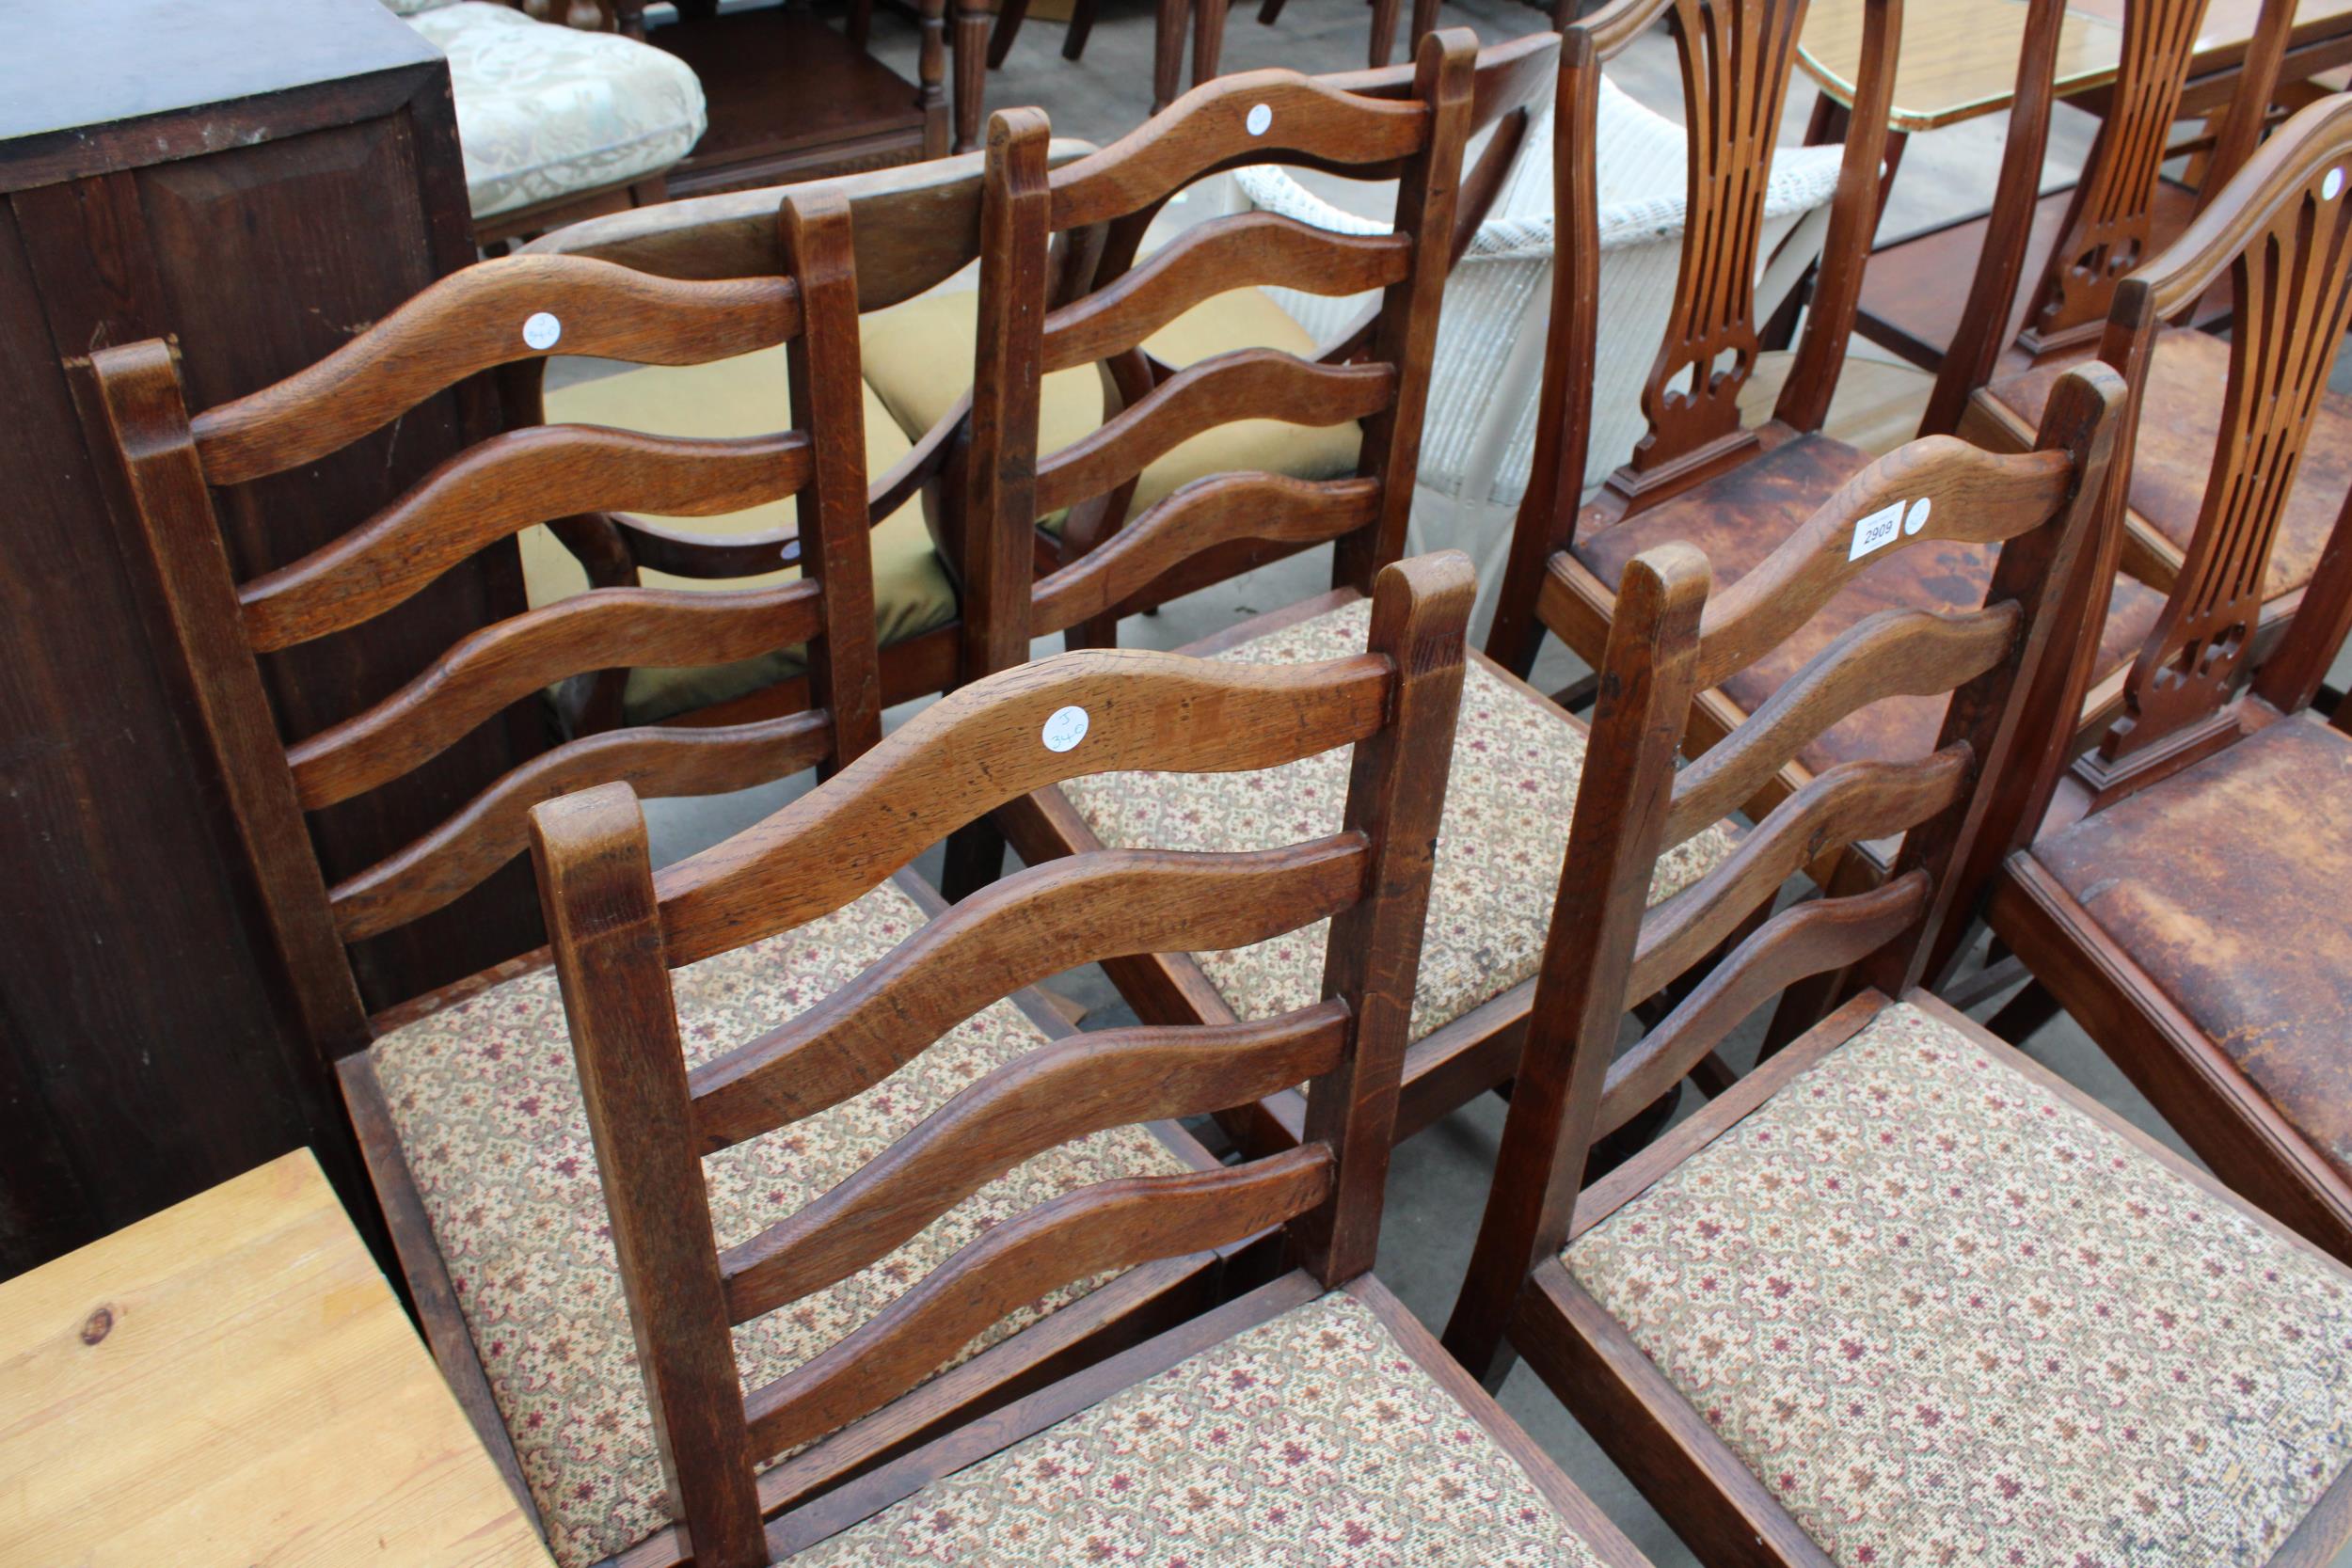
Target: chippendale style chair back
{"type": "Point", "coordinates": [1220, 524]}
{"type": "Point", "coordinates": [619, 931]}
{"type": "Point", "coordinates": [493, 314]}
{"type": "Point", "coordinates": [1737, 58]}
{"type": "Point", "coordinates": [1673, 639]}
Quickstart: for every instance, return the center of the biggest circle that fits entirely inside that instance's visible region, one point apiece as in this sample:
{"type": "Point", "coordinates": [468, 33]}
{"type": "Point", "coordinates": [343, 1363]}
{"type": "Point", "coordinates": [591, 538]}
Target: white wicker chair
{"type": "Point", "coordinates": [1480, 434]}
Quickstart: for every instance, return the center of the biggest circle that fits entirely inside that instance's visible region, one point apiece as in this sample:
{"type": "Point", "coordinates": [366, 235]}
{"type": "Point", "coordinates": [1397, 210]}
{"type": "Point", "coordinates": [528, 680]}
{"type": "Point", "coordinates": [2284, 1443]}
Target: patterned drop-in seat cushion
{"type": "Point", "coordinates": [487, 1102]}
{"type": "Point", "coordinates": [1516, 761]}
{"type": "Point", "coordinates": [546, 111]}
{"type": "Point", "coordinates": [1946, 1317]}
{"type": "Point", "coordinates": [1311, 1441]}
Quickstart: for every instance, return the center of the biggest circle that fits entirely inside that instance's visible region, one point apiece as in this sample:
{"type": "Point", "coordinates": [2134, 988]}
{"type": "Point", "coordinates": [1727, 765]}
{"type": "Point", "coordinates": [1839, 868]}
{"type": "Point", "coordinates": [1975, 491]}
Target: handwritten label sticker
{"type": "Point", "coordinates": [1261, 120]}
{"type": "Point", "coordinates": [1879, 528]}
{"type": "Point", "coordinates": [1065, 728]}
{"type": "Point", "coordinates": [2332, 185]}
{"type": "Point", "coordinates": [542, 330]}
{"type": "Point", "coordinates": [1916, 518]}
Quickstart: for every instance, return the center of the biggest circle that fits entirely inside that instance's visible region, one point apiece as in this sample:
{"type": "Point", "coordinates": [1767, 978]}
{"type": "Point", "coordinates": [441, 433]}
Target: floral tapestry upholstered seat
{"type": "Point", "coordinates": [1946, 1317]}
{"type": "Point", "coordinates": [1312, 1439]}
{"type": "Point", "coordinates": [1516, 761]}
{"type": "Point", "coordinates": [486, 1101]}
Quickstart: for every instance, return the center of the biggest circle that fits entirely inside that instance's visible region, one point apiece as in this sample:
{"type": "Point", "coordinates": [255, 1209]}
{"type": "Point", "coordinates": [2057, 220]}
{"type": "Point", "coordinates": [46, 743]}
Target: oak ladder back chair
{"type": "Point", "coordinates": [2078, 241]}
{"type": "Point", "coordinates": [463, 1099]}
{"type": "Point", "coordinates": [915, 227]}
{"type": "Point", "coordinates": [1258, 117]}
{"type": "Point", "coordinates": [620, 930]}
{"type": "Point", "coordinates": [2179, 437]}
{"type": "Point", "coordinates": [1899, 1294]}
{"type": "Point", "coordinates": [1699, 464]}
{"type": "Point", "coordinates": [1514, 754]}
{"type": "Point", "coordinates": [2184, 898]}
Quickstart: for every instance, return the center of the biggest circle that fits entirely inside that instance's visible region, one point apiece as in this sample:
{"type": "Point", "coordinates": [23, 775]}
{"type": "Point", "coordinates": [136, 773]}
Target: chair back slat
{"type": "Point", "coordinates": [503, 313]}
{"type": "Point", "coordinates": [967, 755]}
{"type": "Point", "coordinates": [1087, 1082]}
{"type": "Point", "coordinates": [1939, 490]}
{"type": "Point", "coordinates": [1247, 250]}
{"type": "Point", "coordinates": [494, 490]}
{"type": "Point", "coordinates": [527, 653]}
{"type": "Point", "coordinates": [493, 828]}
{"type": "Point", "coordinates": [1265, 115]}
{"type": "Point", "coordinates": [2284, 228]}
{"type": "Point", "coordinates": [1807, 938]}
{"type": "Point", "coordinates": [1850, 803]}
{"type": "Point", "coordinates": [1188, 524]}
{"type": "Point", "coordinates": [654, 1122]}
{"type": "Point", "coordinates": [1908, 653]}
{"type": "Point", "coordinates": [1110, 1226]}
{"type": "Point", "coordinates": [1044, 921]}
{"type": "Point", "coordinates": [1246, 384]}
{"type": "Point", "coordinates": [1668, 644]}
{"type": "Point", "coordinates": [493, 314]}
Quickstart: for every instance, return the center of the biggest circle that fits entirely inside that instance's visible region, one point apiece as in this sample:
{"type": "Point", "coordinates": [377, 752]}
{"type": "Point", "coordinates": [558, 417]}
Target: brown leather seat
{"type": "Point", "coordinates": [2227, 884]}
{"type": "Point", "coordinates": [1739, 517]}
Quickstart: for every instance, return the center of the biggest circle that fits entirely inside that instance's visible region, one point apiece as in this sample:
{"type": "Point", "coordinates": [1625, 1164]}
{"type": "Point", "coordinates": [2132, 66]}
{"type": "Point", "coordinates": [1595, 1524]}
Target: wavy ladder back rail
{"type": "Point", "coordinates": [499, 313]}
{"type": "Point", "coordinates": [1672, 639]}
{"type": "Point", "coordinates": [619, 931]}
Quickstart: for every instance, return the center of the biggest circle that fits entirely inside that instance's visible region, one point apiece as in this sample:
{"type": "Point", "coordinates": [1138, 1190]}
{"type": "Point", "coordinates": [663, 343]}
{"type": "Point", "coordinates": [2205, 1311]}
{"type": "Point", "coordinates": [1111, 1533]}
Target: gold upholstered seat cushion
{"type": "Point", "coordinates": [1516, 762]}
{"type": "Point", "coordinates": [744, 396]}
{"type": "Point", "coordinates": [1946, 1316]}
{"type": "Point", "coordinates": [487, 1103]}
{"type": "Point", "coordinates": [1308, 1442]}
{"type": "Point", "coordinates": [918, 359]}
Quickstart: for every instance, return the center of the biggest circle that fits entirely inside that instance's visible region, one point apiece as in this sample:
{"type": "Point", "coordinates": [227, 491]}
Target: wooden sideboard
{"type": "Point", "coordinates": [255, 180]}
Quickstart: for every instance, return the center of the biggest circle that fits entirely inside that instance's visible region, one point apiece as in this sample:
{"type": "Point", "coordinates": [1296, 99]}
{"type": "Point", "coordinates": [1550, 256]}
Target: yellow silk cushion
{"type": "Point", "coordinates": [744, 396]}
{"type": "Point", "coordinates": [918, 359]}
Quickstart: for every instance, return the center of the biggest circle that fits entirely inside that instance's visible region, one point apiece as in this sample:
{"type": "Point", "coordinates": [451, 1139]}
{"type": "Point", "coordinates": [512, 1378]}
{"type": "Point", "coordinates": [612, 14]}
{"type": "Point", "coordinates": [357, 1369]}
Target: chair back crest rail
{"type": "Point", "coordinates": [1674, 637]}
{"type": "Point", "coordinates": [493, 314]}
{"type": "Point", "coordinates": [619, 931]}
{"type": "Point", "coordinates": [1256, 117]}
{"type": "Point", "coordinates": [2282, 232]}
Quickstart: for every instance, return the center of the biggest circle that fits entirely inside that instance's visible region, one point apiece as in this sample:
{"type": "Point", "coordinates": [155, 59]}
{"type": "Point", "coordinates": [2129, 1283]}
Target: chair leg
{"type": "Point", "coordinates": [2024, 1013]}
{"type": "Point", "coordinates": [1382, 31]}
{"type": "Point", "coordinates": [1073, 41]}
{"type": "Point", "coordinates": [1168, 52]}
{"type": "Point", "coordinates": [1269, 13]}
{"type": "Point", "coordinates": [1424, 23]}
{"type": "Point", "coordinates": [861, 22]}
{"type": "Point", "coordinates": [970, 47]}
{"type": "Point", "coordinates": [1008, 19]}
{"type": "Point", "coordinates": [1208, 38]}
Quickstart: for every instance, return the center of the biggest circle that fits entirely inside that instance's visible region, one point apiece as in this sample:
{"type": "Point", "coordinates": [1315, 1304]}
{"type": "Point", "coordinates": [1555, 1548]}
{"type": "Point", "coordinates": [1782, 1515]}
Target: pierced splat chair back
{"type": "Point", "coordinates": [2281, 232]}
{"type": "Point", "coordinates": [490, 314]}
{"type": "Point", "coordinates": [2110, 221]}
{"type": "Point", "coordinates": [1737, 58]}
{"type": "Point", "coordinates": [1220, 524]}
{"type": "Point", "coordinates": [1673, 639]}
{"type": "Point", "coordinates": [618, 932]}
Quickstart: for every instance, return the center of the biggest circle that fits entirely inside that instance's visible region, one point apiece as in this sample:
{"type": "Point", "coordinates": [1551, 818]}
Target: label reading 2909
{"type": "Point", "coordinates": [1880, 527]}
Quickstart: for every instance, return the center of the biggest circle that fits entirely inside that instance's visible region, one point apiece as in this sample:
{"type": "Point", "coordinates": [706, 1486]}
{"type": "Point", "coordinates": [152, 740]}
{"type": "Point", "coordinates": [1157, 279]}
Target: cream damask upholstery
{"type": "Point", "coordinates": [546, 112]}
{"type": "Point", "coordinates": [1308, 1442]}
{"type": "Point", "coordinates": [1946, 1317]}
{"type": "Point", "coordinates": [487, 1102]}
{"type": "Point", "coordinates": [1516, 762]}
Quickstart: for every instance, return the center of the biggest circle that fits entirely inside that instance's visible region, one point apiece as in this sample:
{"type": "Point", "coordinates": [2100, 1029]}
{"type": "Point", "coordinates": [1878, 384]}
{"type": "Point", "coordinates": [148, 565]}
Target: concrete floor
{"type": "Point", "coordinates": [1439, 1180]}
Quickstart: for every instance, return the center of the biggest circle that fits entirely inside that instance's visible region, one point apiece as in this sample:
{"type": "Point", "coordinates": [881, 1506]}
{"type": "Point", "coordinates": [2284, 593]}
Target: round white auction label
{"type": "Point", "coordinates": [1065, 728]}
{"type": "Point", "coordinates": [2331, 185]}
{"type": "Point", "coordinates": [1916, 518]}
{"type": "Point", "coordinates": [1261, 120]}
{"type": "Point", "coordinates": [542, 330]}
